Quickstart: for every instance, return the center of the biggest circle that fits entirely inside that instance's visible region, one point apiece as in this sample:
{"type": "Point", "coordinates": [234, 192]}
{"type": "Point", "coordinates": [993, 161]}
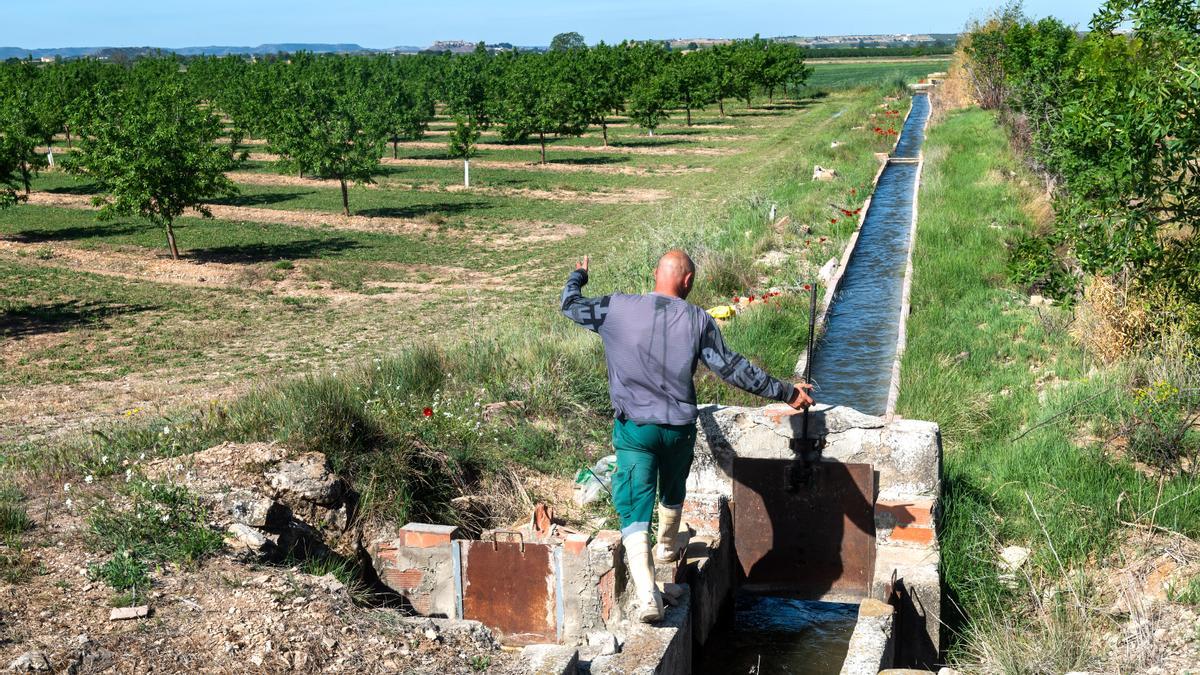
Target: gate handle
{"type": "Point", "coordinates": [511, 533]}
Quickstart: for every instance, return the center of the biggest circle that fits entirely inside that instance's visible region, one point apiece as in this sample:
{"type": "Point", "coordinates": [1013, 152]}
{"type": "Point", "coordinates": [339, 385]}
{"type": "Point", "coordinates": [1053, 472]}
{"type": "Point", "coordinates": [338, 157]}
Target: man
{"type": "Point", "coordinates": [652, 344]}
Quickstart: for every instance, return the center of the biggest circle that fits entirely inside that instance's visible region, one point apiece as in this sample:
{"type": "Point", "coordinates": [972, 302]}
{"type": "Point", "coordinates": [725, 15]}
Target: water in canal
{"type": "Point", "coordinates": [852, 366]}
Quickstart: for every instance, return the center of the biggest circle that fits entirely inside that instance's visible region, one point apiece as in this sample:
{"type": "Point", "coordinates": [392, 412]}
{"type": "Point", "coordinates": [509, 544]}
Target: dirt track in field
{"type": "Point", "coordinates": [532, 231]}
{"type": "Point", "coordinates": [617, 196]}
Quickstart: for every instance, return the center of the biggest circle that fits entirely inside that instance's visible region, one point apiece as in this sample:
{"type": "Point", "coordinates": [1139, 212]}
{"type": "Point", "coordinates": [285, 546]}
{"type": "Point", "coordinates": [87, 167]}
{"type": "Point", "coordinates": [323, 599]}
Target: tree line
{"type": "Point", "coordinates": [158, 135]}
{"type": "Point", "coordinates": [1112, 119]}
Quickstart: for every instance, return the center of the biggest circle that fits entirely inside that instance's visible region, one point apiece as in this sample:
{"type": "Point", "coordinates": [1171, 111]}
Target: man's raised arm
{"type": "Point", "coordinates": [587, 312]}
{"type": "Point", "coordinates": [738, 371]}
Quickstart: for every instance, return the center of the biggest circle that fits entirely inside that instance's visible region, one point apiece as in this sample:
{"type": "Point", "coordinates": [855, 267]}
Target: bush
{"type": "Point", "coordinates": [1035, 266]}
{"type": "Point", "coordinates": [156, 522]}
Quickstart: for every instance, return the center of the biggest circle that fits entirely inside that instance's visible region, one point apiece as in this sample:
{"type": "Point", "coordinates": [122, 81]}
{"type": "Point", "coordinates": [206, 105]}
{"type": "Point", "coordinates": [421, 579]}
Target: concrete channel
{"type": "Point", "coordinates": [853, 521]}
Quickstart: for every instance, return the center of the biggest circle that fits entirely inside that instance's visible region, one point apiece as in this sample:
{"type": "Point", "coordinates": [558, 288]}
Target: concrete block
{"type": "Point", "coordinates": [710, 577]}
{"type": "Point", "coordinates": [906, 521]}
{"type": "Point", "coordinates": [663, 648]}
{"type": "Point", "coordinates": [418, 565]}
{"type": "Point", "coordinates": [871, 644]}
{"type": "Point", "coordinates": [907, 578]}
{"type": "Point", "coordinates": [549, 660]}
{"type": "Point", "coordinates": [590, 568]}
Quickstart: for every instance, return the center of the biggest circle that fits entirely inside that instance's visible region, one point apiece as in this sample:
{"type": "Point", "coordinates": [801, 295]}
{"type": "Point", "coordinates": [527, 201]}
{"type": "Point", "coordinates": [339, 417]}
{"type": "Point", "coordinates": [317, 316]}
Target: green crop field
{"type": "Point", "coordinates": [838, 75]}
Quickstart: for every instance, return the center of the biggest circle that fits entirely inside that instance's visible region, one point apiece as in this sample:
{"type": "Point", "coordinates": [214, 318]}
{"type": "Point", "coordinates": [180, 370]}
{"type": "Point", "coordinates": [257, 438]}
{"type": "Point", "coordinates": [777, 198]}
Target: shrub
{"type": "Point", "coordinates": [157, 522]}
{"type": "Point", "coordinates": [1034, 265]}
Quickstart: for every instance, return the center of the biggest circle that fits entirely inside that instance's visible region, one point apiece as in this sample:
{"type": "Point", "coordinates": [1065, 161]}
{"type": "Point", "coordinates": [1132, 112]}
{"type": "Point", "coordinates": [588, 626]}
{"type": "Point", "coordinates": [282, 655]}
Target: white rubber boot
{"type": "Point", "coordinates": [649, 602]}
{"type": "Point", "coordinates": [667, 550]}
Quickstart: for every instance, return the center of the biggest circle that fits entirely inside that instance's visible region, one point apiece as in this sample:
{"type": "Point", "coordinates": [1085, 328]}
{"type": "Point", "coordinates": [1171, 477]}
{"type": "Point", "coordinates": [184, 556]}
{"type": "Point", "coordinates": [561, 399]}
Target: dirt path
{"type": "Point", "coordinates": [530, 231]}
{"type": "Point", "coordinates": [663, 170]}
{"type": "Point", "coordinates": [612, 149]}
{"type": "Point", "coordinates": [615, 196]}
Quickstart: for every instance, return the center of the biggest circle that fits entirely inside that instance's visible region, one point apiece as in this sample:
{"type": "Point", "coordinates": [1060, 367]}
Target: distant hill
{"type": "Point", "coordinates": [215, 50]}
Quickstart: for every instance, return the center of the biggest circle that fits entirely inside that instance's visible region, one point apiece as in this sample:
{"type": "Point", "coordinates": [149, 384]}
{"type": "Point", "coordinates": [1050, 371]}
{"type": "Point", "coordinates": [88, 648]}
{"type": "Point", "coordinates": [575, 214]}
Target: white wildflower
{"type": "Point", "coordinates": [89, 479]}
{"type": "Point", "coordinates": [166, 517]}
{"type": "Point", "coordinates": [128, 475]}
{"type": "Point", "coordinates": [166, 430]}
{"type": "Point", "coordinates": [104, 459]}
{"type": "Point", "coordinates": [66, 487]}
{"type": "Point", "coordinates": [69, 503]}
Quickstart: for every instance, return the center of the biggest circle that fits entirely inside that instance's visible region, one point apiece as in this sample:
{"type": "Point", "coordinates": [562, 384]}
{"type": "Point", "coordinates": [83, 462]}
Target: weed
{"type": "Point", "coordinates": [156, 522]}
{"type": "Point", "coordinates": [122, 572]}
{"type": "Point", "coordinates": [44, 253]}
{"type": "Point", "coordinates": [480, 662]}
{"type": "Point", "coordinates": [1188, 594]}
{"type": "Point", "coordinates": [284, 265]}
{"type": "Point", "coordinates": [14, 519]}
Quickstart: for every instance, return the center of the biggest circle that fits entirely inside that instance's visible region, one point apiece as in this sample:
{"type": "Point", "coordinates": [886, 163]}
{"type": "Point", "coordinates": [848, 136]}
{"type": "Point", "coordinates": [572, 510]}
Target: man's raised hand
{"type": "Point", "coordinates": [582, 265]}
{"type": "Point", "coordinates": [802, 399]}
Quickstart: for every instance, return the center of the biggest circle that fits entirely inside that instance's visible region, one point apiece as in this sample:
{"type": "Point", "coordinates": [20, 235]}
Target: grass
{"type": "Point", "coordinates": [827, 76]}
{"type": "Point", "coordinates": [147, 524]}
{"type": "Point", "coordinates": [1019, 417]}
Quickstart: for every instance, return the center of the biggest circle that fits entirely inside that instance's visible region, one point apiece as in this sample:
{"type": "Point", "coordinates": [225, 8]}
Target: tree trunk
{"type": "Point", "coordinates": [771, 94]}
{"type": "Point", "coordinates": [68, 130]}
{"type": "Point", "coordinates": [345, 197]}
{"type": "Point", "coordinates": [171, 241]}
{"type": "Point", "coordinates": [25, 176]}
{"type": "Point", "coordinates": [651, 130]}
{"type": "Point", "coordinates": [542, 134]}
{"type": "Point", "coordinates": [721, 105]}
{"type": "Point", "coordinates": [688, 107]}
{"type": "Point", "coordinates": [393, 148]}
{"type": "Point", "coordinates": [604, 128]}
{"type": "Point", "coordinates": [466, 173]}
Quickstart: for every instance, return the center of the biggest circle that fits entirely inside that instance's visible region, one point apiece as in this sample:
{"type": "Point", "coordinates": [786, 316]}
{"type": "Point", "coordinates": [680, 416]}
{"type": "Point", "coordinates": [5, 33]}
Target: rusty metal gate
{"type": "Point", "coordinates": [812, 539]}
{"type": "Point", "coordinates": [513, 588]}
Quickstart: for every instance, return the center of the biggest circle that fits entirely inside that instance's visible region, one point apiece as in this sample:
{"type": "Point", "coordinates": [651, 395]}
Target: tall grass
{"type": "Point", "coordinates": [1017, 400]}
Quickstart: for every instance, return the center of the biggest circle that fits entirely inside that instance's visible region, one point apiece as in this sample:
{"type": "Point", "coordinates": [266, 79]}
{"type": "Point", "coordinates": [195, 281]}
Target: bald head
{"type": "Point", "coordinates": [674, 274]}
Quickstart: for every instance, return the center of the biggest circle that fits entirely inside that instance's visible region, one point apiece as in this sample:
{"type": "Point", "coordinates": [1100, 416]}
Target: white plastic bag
{"type": "Point", "coordinates": [589, 483]}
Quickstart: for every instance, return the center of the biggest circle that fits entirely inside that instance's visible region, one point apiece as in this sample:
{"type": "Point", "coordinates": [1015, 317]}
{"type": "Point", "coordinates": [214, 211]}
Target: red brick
{"type": "Point", "coordinates": [575, 544]}
{"type": "Point", "coordinates": [908, 513]}
{"type": "Point", "coordinates": [916, 535]}
{"type": "Point", "coordinates": [403, 579]}
{"type": "Point", "coordinates": [607, 587]}
{"type": "Point", "coordinates": [425, 539]}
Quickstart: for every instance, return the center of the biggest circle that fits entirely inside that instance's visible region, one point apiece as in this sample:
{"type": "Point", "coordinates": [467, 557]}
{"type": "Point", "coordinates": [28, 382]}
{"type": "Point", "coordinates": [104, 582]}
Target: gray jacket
{"type": "Point", "coordinates": [652, 343]}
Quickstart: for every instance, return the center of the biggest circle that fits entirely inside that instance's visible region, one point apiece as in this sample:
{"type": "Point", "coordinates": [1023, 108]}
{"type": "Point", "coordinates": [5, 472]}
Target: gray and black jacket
{"type": "Point", "coordinates": [652, 343]}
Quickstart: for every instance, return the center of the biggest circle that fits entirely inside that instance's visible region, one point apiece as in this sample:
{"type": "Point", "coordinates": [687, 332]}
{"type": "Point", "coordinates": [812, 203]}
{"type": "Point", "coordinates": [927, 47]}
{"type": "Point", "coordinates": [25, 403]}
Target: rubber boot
{"type": "Point", "coordinates": [649, 602]}
{"type": "Point", "coordinates": [667, 550]}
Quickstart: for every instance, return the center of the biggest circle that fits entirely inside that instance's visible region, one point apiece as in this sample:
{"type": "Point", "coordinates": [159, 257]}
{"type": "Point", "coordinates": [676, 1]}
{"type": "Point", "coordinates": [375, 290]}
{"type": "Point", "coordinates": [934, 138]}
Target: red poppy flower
{"type": "Point", "coordinates": [428, 412]}
{"type": "Point", "coordinates": [751, 298]}
{"type": "Point", "coordinates": [736, 299]}
{"type": "Point", "coordinates": [824, 239]}
{"type": "Point", "coordinates": [833, 221]}
{"type": "Point", "coordinates": [807, 287]}
{"type": "Point", "coordinates": [853, 191]}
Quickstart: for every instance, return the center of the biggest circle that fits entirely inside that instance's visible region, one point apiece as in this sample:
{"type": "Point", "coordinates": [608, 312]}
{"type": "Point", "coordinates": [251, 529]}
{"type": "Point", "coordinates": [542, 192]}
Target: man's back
{"type": "Point", "coordinates": [652, 343]}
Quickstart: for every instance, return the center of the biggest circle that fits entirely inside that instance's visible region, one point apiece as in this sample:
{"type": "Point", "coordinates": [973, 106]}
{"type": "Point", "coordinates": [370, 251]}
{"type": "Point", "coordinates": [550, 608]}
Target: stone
{"type": "Point", "coordinates": [828, 270]}
{"type": "Point", "coordinates": [29, 662]}
{"type": "Point", "coordinates": [251, 508]}
{"type": "Point", "coordinates": [1013, 558]}
{"type": "Point", "coordinates": [604, 641]}
{"type": "Point", "coordinates": [834, 144]}
{"type": "Point", "coordinates": [1040, 301]}
{"type": "Point", "coordinates": [947, 670]}
{"type": "Point", "coordinates": [821, 173]}
{"type": "Point", "coordinates": [330, 583]}
{"type": "Point", "coordinates": [242, 537]}
{"type": "Point", "coordinates": [549, 660]}
{"type": "Point", "coordinates": [307, 477]}
{"type": "Point", "coordinates": [125, 613]}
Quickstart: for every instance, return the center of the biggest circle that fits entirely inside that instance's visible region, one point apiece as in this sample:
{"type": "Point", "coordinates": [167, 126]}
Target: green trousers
{"type": "Point", "coordinates": [650, 457]}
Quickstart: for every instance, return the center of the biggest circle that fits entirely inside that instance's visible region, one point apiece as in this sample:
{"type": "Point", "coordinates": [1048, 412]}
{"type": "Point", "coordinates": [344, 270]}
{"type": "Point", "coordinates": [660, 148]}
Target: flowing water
{"type": "Point", "coordinates": [779, 635]}
{"type": "Point", "coordinates": [851, 366]}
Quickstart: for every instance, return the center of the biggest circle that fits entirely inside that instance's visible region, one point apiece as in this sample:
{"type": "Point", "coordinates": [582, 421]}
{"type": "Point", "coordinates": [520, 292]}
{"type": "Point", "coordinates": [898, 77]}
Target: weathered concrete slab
{"type": "Point", "coordinates": [549, 660]}
{"type": "Point", "coordinates": [418, 564]}
{"type": "Point", "coordinates": [664, 648]}
{"type": "Point", "coordinates": [871, 646]}
{"type": "Point", "coordinates": [907, 577]}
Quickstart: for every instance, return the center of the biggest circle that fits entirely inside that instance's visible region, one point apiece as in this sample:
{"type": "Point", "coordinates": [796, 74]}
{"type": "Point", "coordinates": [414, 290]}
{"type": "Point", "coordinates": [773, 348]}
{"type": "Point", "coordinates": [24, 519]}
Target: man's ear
{"type": "Point", "coordinates": [688, 279]}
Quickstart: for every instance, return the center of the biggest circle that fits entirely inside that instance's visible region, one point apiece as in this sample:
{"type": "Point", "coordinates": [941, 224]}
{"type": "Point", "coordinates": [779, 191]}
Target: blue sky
{"type": "Point", "coordinates": [379, 23]}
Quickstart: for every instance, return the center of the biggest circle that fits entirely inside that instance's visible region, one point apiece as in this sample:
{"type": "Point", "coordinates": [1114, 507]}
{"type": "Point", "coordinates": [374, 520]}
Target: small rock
{"type": "Point", "coordinates": [307, 477]}
{"type": "Point", "coordinates": [821, 173]}
{"type": "Point", "coordinates": [251, 508]}
{"type": "Point", "coordinates": [30, 661]}
{"type": "Point", "coordinates": [961, 358]}
{"type": "Point", "coordinates": [1013, 557]}
{"type": "Point", "coordinates": [328, 643]}
{"type": "Point", "coordinates": [242, 537]}
{"type": "Point", "coordinates": [299, 600]}
{"type": "Point", "coordinates": [331, 583]}
{"type": "Point", "coordinates": [257, 659]}
{"type": "Point", "coordinates": [828, 270]}
{"type": "Point", "coordinates": [1040, 301]}
{"type": "Point", "coordinates": [299, 660]}
{"type": "Point", "coordinates": [124, 613]}
{"type": "Point", "coordinates": [606, 642]}
{"type": "Point", "coordinates": [431, 633]}
{"type": "Point", "coordinates": [947, 670]}
{"type": "Point", "coordinates": [834, 144]}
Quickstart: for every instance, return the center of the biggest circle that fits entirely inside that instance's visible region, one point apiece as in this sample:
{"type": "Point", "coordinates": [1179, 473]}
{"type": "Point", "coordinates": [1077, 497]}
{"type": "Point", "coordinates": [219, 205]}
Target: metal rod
{"type": "Point", "coordinates": [812, 329]}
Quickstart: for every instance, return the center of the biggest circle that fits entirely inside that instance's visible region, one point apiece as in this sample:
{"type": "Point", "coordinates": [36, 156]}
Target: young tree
{"type": "Point", "coordinates": [748, 67]}
{"type": "Point", "coordinates": [651, 91]}
{"type": "Point", "coordinates": [469, 86]}
{"type": "Point", "coordinates": [24, 122]}
{"type": "Point", "coordinates": [153, 150]}
{"type": "Point", "coordinates": [407, 104]}
{"type": "Point", "coordinates": [463, 138]}
{"type": "Point", "coordinates": [328, 120]}
{"type": "Point", "coordinates": [541, 97]}
{"type": "Point", "coordinates": [693, 80]}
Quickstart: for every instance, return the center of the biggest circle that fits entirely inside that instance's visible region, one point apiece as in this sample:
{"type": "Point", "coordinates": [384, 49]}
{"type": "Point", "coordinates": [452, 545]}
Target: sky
{"type": "Point", "coordinates": [380, 23]}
